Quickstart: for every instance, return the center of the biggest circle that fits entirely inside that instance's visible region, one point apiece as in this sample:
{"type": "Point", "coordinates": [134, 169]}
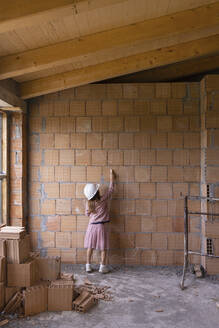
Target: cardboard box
{"type": "Point", "coordinates": [2, 295]}
{"type": "Point", "coordinates": [2, 269]}
{"type": "Point", "coordinates": [23, 275]}
{"type": "Point", "coordinates": [18, 250]}
{"type": "Point", "coordinates": [60, 298]}
{"type": "Point", "coordinates": [2, 247]}
{"type": "Point", "coordinates": [35, 299]}
{"type": "Point", "coordinates": [49, 267]}
{"type": "Point", "coordinates": [10, 292]}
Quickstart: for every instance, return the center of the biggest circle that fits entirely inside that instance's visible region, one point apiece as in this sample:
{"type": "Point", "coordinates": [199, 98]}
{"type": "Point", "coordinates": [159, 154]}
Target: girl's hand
{"type": "Point", "coordinates": [112, 175]}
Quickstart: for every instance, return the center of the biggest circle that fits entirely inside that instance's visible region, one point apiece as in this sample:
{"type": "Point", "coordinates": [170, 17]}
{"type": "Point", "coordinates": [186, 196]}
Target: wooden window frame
{"type": "Point", "coordinates": [4, 174]}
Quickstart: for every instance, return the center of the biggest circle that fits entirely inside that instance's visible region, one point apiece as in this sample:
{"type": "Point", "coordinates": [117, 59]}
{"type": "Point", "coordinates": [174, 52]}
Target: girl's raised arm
{"type": "Point", "coordinates": [109, 192]}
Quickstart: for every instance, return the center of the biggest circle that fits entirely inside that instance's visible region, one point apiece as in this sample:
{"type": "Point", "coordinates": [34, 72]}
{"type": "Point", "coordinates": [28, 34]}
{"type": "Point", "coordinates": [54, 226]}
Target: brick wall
{"type": "Point", "coordinates": [150, 135]}
{"type": "Point", "coordinates": [210, 166]}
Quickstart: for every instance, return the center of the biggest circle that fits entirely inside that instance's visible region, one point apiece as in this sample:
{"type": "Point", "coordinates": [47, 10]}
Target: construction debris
{"type": "Point", "coordinates": [13, 304]}
{"type": "Point", "coordinates": [10, 292]}
{"type": "Point", "coordinates": [84, 302]}
{"type": "Point", "coordinates": [34, 255]}
{"type": "Point", "coordinates": [36, 284]}
{"type": "Point", "coordinates": [62, 282]}
{"type": "Point", "coordinates": [198, 271]}
{"type": "Point", "coordinates": [67, 276]}
{"type": "Point", "coordinates": [99, 293]}
{"type": "Point", "coordinates": [4, 322]}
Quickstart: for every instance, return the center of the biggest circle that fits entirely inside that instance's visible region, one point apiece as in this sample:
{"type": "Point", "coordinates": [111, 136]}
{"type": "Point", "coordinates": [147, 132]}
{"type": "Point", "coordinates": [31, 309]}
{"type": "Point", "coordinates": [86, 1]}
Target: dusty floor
{"type": "Point", "coordinates": [143, 297]}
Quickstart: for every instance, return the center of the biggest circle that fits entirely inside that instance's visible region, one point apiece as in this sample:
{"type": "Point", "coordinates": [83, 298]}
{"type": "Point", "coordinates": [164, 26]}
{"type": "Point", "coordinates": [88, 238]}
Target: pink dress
{"type": "Point", "coordinates": [97, 234]}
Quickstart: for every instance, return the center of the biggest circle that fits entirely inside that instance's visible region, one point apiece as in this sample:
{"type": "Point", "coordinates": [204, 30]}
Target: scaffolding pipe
{"type": "Point", "coordinates": [186, 234]}
{"type": "Point", "coordinates": [186, 230]}
{"type": "Point", "coordinates": [202, 254]}
{"type": "Point", "coordinates": [203, 213]}
{"type": "Point", "coordinates": [202, 197]}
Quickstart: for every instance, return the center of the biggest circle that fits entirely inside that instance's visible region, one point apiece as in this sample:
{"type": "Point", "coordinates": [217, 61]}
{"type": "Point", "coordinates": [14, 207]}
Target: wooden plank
{"type": "Point", "coordinates": [99, 44]}
{"type": "Point", "coordinates": [21, 13]}
{"type": "Point", "coordinates": [94, 21]}
{"type": "Point", "coordinates": [10, 98]}
{"type": "Point", "coordinates": [120, 52]}
{"type": "Point", "coordinates": [167, 55]}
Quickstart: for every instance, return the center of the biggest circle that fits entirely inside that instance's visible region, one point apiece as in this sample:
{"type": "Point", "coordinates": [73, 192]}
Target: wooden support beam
{"type": "Point", "coordinates": [85, 49]}
{"type": "Point", "coordinates": [10, 98]}
{"type": "Point", "coordinates": [10, 109]}
{"type": "Point", "coordinates": [22, 13]}
{"type": "Point", "coordinates": [173, 71]}
{"type": "Point", "coordinates": [155, 58]}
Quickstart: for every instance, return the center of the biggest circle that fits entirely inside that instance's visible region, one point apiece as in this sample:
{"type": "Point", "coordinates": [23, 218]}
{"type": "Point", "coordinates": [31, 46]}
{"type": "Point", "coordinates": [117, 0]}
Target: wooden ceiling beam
{"type": "Point", "coordinates": [164, 56]}
{"type": "Point", "coordinates": [173, 71]}
{"type": "Point", "coordinates": [22, 13]}
{"type": "Point", "coordinates": [87, 48]}
{"type": "Point", "coordinates": [8, 97]}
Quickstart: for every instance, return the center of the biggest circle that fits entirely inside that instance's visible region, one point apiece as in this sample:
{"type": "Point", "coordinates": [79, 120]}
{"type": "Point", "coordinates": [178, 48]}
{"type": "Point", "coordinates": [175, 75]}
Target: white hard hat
{"type": "Point", "coordinates": [90, 190]}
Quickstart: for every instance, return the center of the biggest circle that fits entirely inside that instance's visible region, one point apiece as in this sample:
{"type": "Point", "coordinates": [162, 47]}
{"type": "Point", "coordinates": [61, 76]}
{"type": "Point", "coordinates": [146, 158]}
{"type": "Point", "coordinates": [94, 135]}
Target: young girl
{"type": "Point", "coordinates": [97, 235]}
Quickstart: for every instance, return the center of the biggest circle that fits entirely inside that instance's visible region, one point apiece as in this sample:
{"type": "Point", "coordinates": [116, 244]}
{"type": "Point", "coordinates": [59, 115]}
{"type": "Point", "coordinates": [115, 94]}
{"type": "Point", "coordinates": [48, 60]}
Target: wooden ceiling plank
{"type": "Point", "coordinates": [16, 14]}
{"type": "Point", "coordinates": [77, 49]}
{"type": "Point", "coordinates": [151, 59]}
{"type": "Point", "coordinates": [120, 52]}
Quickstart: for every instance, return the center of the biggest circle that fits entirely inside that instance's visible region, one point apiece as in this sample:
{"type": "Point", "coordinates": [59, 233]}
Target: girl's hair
{"type": "Point", "coordinates": [91, 202]}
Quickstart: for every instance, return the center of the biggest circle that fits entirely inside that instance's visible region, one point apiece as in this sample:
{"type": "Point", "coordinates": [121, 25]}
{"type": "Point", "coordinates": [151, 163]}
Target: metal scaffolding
{"type": "Point", "coordinates": [186, 232]}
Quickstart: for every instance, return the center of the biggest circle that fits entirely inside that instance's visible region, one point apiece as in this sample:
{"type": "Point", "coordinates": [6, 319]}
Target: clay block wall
{"type": "Point", "coordinates": [150, 135]}
{"type": "Point", "coordinates": [210, 166]}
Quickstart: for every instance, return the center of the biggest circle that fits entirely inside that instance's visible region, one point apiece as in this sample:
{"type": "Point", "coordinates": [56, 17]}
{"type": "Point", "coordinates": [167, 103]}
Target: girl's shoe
{"type": "Point", "coordinates": [103, 269]}
{"type": "Point", "coordinates": [88, 268]}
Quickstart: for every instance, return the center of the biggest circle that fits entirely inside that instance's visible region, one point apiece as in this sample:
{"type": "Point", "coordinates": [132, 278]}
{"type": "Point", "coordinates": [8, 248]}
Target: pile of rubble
{"type": "Point", "coordinates": [99, 293]}
{"type": "Point", "coordinates": [30, 284]}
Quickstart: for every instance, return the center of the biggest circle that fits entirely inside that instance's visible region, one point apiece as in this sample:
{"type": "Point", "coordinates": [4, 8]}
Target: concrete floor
{"type": "Point", "coordinates": [143, 297]}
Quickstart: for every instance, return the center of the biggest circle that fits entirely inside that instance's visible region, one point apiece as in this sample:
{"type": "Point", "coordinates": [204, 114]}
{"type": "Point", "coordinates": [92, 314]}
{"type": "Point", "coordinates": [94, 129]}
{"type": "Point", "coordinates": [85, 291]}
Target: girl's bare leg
{"type": "Point", "coordinates": [104, 257]}
{"type": "Point", "coordinates": [89, 255]}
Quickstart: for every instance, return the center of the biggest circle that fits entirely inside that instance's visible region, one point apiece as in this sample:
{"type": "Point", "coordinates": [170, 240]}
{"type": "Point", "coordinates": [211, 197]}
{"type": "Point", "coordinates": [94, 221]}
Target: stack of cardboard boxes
{"type": "Point", "coordinates": [30, 284]}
